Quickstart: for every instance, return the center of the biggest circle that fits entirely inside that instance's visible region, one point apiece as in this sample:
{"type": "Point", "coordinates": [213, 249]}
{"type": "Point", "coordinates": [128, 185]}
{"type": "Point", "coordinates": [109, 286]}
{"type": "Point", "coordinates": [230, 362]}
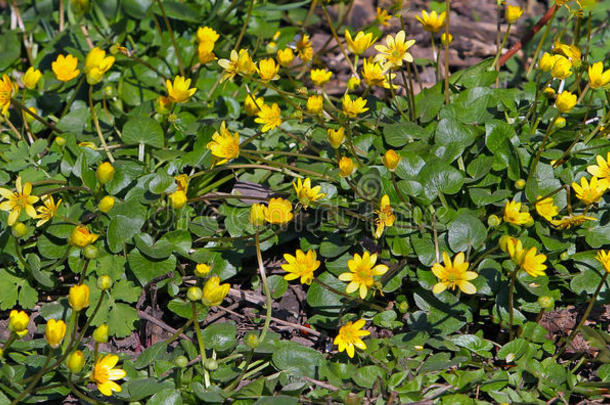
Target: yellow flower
{"type": "Point", "coordinates": [346, 166]}
{"type": "Point", "coordinates": [240, 63]}
{"type": "Point", "coordinates": [55, 332]}
{"type": "Point", "coordinates": [257, 214]}
{"type": "Point", "coordinates": [106, 204]}
{"type": "Point", "coordinates": [590, 192]}
{"type": "Point", "coordinates": [224, 145]}
{"type": "Point", "coordinates": [48, 210]}
{"type": "Point", "coordinates": [604, 258]}
{"type": "Point", "coordinates": [374, 74]}
{"type": "Point", "coordinates": [270, 116]}
{"type": "Point", "coordinates": [320, 76]}
{"type": "Point", "coordinates": [81, 236]}
{"type": "Point", "coordinates": [178, 199]}
{"type": "Point", "coordinates": [104, 172]}
{"type": "Point", "coordinates": [528, 260]}
{"type": "Point", "coordinates": [360, 43]}
{"type": "Point", "coordinates": [602, 169]}
{"type": "Point", "coordinates": [513, 214]}
{"type": "Point", "coordinates": [18, 322]}
{"type": "Point", "coordinates": [214, 292]}
{"type": "Point", "coordinates": [383, 17]}
{"type": "Point", "coordinates": [278, 211]}
{"type": "Point", "coordinates": [391, 159]}
{"type": "Point", "coordinates": [362, 269]}
{"type": "Point", "coordinates": [202, 269]}
{"type": "Point", "coordinates": [104, 374]}
{"type": "Point", "coordinates": [572, 52]}
{"type": "Point", "coordinates": [305, 193]}
{"type": "Point", "coordinates": [75, 361]}
{"type": "Point", "coordinates": [31, 77]}
{"type": "Point", "coordinates": [561, 68]}
{"type": "Point", "coordinates": [394, 52]}
{"type": "Point", "coordinates": [513, 13]}
{"type": "Point", "coordinates": [253, 105]}
{"type": "Point", "coordinates": [302, 266]}
{"type": "Point", "coordinates": [96, 64]}
{"type": "Point", "coordinates": [432, 22]}
{"type": "Point", "coordinates": [454, 274]}
{"type": "Point", "coordinates": [304, 48]}
{"type": "Point", "coordinates": [546, 208]}
{"type": "Point", "coordinates": [207, 34]}
{"type": "Point", "coordinates": [315, 104]}
{"type": "Point", "coordinates": [385, 216]}
{"type": "Point", "coordinates": [100, 334]}
{"type": "Point", "coordinates": [6, 92]}
{"type": "Point", "coordinates": [336, 137]}
{"type": "Point", "coordinates": [205, 52]}
{"type": "Point", "coordinates": [352, 108]}
{"type": "Point", "coordinates": [565, 102]}
{"type": "Point", "coordinates": [64, 68]}
{"type": "Point", "coordinates": [547, 61]}
{"type": "Point", "coordinates": [182, 182]}
{"type": "Point", "coordinates": [572, 220]}
{"type": "Point", "coordinates": [444, 39]}
{"type": "Point", "coordinates": [350, 335]}
{"type": "Point", "coordinates": [285, 57]}
{"type": "Point", "coordinates": [353, 83]}
{"type": "Point", "coordinates": [597, 76]}
{"type": "Point", "coordinates": [267, 70]}
{"type": "Point", "coordinates": [179, 91]}
{"type": "Point", "coordinates": [18, 200]}
{"type": "Point", "coordinates": [78, 297]}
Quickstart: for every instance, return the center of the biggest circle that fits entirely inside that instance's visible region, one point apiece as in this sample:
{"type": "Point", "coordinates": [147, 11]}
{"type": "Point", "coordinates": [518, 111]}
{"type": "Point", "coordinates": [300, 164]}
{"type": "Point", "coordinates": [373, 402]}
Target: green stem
{"type": "Point", "coordinates": [584, 317]}
{"type": "Point", "coordinates": [201, 345]}
{"type": "Point", "coordinates": [171, 35]}
{"type": "Point", "coordinates": [511, 290]}
{"type": "Point", "coordinates": [541, 148]}
{"type": "Point", "coordinates": [97, 125]}
{"type": "Point", "coordinates": [70, 331]}
{"type": "Point", "coordinates": [494, 65]}
{"type": "Point", "coordinates": [8, 344]}
{"type": "Point", "coordinates": [547, 29]}
{"type": "Point", "coordinates": [268, 303]}
{"type": "Point", "coordinates": [73, 97]}
{"type": "Point", "coordinates": [244, 26]}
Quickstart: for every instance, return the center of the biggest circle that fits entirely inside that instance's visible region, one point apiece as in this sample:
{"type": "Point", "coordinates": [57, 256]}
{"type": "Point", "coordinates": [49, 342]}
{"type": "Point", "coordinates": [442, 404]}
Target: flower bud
{"type": "Point", "coordinates": [565, 102]}
{"type": "Point", "coordinates": [520, 184]}
{"type": "Point", "coordinates": [104, 282]}
{"type": "Point", "coordinates": [391, 160]}
{"type": "Point", "coordinates": [100, 334]}
{"type": "Point", "coordinates": [549, 92]}
{"type": "Point", "coordinates": [81, 236]}
{"type": "Point", "coordinates": [31, 77]}
{"type": "Point", "coordinates": [271, 47]}
{"type": "Point", "coordinates": [181, 361]}
{"type": "Point", "coordinates": [90, 252]}
{"type": "Point", "coordinates": [178, 199]}
{"type": "Point", "coordinates": [211, 364]}
{"type": "Point", "coordinates": [346, 166]}
{"type": "Point", "coordinates": [564, 256]}
{"type": "Point", "coordinates": [19, 229]}
{"type": "Point", "coordinates": [202, 269]}
{"type": "Point", "coordinates": [560, 122]}
{"type": "Point", "coordinates": [79, 297]}
{"type": "Point", "coordinates": [504, 241]}
{"type": "Point", "coordinates": [28, 118]}
{"type": "Point", "coordinates": [353, 83]}
{"type": "Point", "coordinates": [106, 204]}
{"type": "Point", "coordinates": [493, 221]}
{"type": "Point", "coordinates": [55, 332]}
{"type": "Point", "coordinates": [403, 307]}
{"type": "Point", "coordinates": [546, 302]}
{"type": "Point", "coordinates": [60, 140]}
{"type": "Point", "coordinates": [214, 292]}
{"type": "Point", "coordinates": [251, 340]}
{"type": "Point", "coordinates": [104, 172]}
{"type": "Point", "coordinates": [194, 293]}
{"type": "Point", "coordinates": [257, 214]}
{"type": "Point", "coordinates": [513, 13]}
{"type": "Point", "coordinates": [336, 137]}
{"type": "Point", "coordinates": [75, 361]}
{"type": "Point", "coordinates": [18, 322]}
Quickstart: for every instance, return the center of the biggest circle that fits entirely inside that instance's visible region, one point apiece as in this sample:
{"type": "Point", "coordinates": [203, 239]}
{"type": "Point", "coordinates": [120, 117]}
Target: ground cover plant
{"type": "Point", "coordinates": [202, 203]}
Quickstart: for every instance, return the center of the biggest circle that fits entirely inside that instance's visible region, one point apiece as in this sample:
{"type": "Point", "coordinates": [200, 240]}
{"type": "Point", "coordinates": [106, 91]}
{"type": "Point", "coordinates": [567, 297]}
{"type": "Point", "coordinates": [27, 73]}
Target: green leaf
{"type": "Point", "coordinates": [141, 388]}
{"type": "Point", "coordinates": [144, 130]}
{"type": "Point", "coordinates": [120, 231]}
{"type": "Point", "coordinates": [145, 269]}
{"type": "Point", "coordinates": [136, 8]}
{"type": "Point", "coordinates": [466, 231]}
{"type": "Point", "coordinates": [121, 319]}
{"type": "Point", "coordinates": [10, 49]}
{"type": "Point", "coordinates": [399, 134]}
{"type": "Point", "coordinates": [277, 285]}
{"type": "Point", "coordinates": [323, 299]}
{"type": "Point", "coordinates": [220, 336]}
{"type": "Point", "coordinates": [169, 396]}
{"type": "Point", "coordinates": [150, 354]}
{"type": "Point", "coordinates": [367, 376]}
{"type": "Point", "coordinates": [296, 359]}
{"type": "Point", "coordinates": [439, 177]}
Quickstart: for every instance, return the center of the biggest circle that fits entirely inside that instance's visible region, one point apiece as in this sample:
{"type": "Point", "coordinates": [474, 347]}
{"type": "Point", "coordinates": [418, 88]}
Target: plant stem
{"type": "Point", "coordinates": [268, 303]}
{"type": "Point", "coordinates": [511, 291]}
{"type": "Point", "coordinates": [245, 25]}
{"type": "Point", "coordinates": [448, 11]}
{"type": "Point", "coordinates": [97, 126]}
{"type": "Point", "coordinates": [171, 35]}
{"type": "Point", "coordinates": [541, 148]}
{"type": "Point", "coordinates": [201, 345]}
{"type": "Point", "coordinates": [584, 317]}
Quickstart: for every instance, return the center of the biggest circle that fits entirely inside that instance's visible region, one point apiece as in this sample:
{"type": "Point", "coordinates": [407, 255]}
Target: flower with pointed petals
{"type": "Point", "coordinates": [590, 192]}
{"type": "Point", "coordinates": [572, 220]}
{"type": "Point", "coordinates": [269, 116]}
{"type": "Point", "coordinates": [383, 17]}
{"type": "Point", "coordinates": [432, 22]}
{"type": "Point", "coordinates": [360, 43]}
{"type": "Point", "coordinates": [179, 91]}
{"type": "Point", "coordinates": [96, 64]}
{"type": "Point", "coordinates": [20, 199]}
{"type": "Point", "coordinates": [604, 258]}
{"type": "Point", "coordinates": [562, 68]}
{"type": "Point", "coordinates": [352, 108]}
{"type": "Point", "coordinates": [602, 169]}
{"type": "Point", "coordinates": [546, 208]}
{"type": "Point", "coordinates": [224, 145]}
{"type": "Point", "coordinates": [305, 193]}
{"type": "Point", "coordinates": [301, 265]}
{"type": "Point", "coordinates": [285, 57]}
{"type": "Point", "coordinates": [214, 292]}
{"type": "Point", "coordinates": [320, 76]}
{"type": "Point", "coordinates": [597, 76]}
{"type": "Point", "coordinates": [304, 48]}
{"type": "Point", "coordinates": [454, 274]}
{"type": "Point", "coordinates": [513, 13]}
{"type": "Point", "coordinates": [48, 210]}
{"type": "Point", "coordinates": [240, 63]}
{"type": "Point", "coordinates": [513, 214]}
{"type": "Point", "coordinates": [278, 211]}
{"type": "Point", "coordinates": [385, 216]}
{"type": "Point", "coordinates": [267, 70]}
{"type": "Point", "coordinates": [570, 52]}
{"type": "Point", "coordinates": [350, 335]}
{"type": "Point", "coordinates": [6, 92]}
{"type": "Point", "coordinates": [533, 263]}
{"type": "Point", "coordinates": [394, 52]}
{"type": "Point", "coordinates": [64, 68]}
{"type": "Point", "coordinates": [253, 105]}
{"type": "Point", "coordinates": [104, 374]}
{"type": "Point", "coordinates": [565, 102]}
{"type": "Point", "coordinates": [362, 269]}
{"type": "Point", "coordinates": [31, 77]}
{"type": "Point", "coordinates": [374, 74]}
